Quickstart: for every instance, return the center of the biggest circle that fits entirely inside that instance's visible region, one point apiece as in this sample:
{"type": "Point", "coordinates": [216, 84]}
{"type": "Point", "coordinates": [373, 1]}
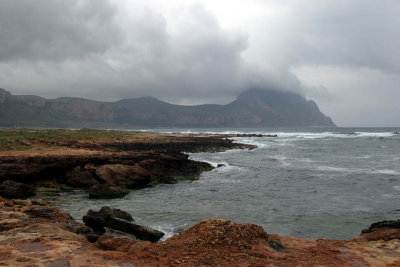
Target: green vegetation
{"type": "Point", "coordinates": [20, 139]}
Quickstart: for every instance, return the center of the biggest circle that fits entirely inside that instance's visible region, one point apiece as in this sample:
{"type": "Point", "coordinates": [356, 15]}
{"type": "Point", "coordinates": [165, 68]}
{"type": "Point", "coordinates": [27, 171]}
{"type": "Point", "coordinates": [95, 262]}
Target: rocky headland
{"type": "Point", "coordinates": [32, 233]}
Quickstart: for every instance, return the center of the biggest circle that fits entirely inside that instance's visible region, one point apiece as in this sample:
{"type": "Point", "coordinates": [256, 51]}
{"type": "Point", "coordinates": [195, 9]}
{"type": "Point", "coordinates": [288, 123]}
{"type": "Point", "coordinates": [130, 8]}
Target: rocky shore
{"type": "Point", "coordinates": [32, 233]}
{"type": "Point", "coordinates": [107, 168]}
{"type": "Point", "coordinates": [35, 234]}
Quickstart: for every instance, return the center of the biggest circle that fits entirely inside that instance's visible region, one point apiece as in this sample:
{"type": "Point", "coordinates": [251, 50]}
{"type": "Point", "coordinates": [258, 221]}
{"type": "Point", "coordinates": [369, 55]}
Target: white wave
{"type": "Point", "coordinates": [375, 134]}
{"type": "Point", "coordinates": [248, 141]}
{"type": "Point", "coordinates": [334, 169]}
{"type": "Point", "coordinates": [353, 170]}
{"type": "Point", "coordinates": [168, 229]}
{"type": "Point", "coordinates": [396, 187]}
{"type": "Point", "coordinates": [313, 135]}
{"type": "Point", "coordinates": [388, 196]}
{"type": "Point", "coordinates": [386, 171]}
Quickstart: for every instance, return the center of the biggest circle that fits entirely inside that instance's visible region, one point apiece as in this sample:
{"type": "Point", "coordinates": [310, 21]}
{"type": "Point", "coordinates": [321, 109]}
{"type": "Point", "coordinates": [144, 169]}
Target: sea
{"type": "Point", "coordinates": [306, 182]}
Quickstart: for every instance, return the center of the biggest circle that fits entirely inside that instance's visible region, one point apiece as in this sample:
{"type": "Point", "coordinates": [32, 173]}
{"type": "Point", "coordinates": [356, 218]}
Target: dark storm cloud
{"type": "Point", "coordinates": [55, 30]}
{"type": "Point", "coordinates": [84, 49]}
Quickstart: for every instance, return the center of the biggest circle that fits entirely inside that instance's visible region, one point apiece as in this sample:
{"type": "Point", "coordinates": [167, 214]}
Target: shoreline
{"type": "Point", "coordinates": [33, 233]}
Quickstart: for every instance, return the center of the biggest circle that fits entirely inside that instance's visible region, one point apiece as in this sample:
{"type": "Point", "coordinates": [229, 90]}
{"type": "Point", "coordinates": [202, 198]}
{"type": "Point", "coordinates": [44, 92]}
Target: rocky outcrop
{"type": "Point", "coordinates": [393, 224]}
{"type": "Point", "coordinates": [120, 221]}
{"type": "Point", "coordinates": [49, 237]}
{"type": "Point", "coordinates": [106, 191]}
{"type": "Point", "coordinates": [12, 189]}
{"type": "Point", "coordinates": [129, 164]}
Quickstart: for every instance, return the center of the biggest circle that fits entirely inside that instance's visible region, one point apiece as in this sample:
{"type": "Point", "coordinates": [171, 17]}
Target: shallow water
{"type": "Point", "coordinates": [307, 182]}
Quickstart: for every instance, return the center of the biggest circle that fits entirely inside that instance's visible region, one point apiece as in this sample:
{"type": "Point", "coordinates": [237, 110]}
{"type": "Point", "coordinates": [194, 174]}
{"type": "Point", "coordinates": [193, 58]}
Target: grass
{"type": "Point", "coordinates": [21, 139]}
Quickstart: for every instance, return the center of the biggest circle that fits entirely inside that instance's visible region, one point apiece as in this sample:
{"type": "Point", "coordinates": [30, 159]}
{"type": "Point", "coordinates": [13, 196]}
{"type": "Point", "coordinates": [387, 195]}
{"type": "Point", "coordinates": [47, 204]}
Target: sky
{"type": "Point", "coordinates": [343, 54]}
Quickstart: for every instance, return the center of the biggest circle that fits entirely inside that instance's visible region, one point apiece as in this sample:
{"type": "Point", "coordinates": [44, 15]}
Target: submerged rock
{"type": "Point", "coordinates": [111, 218]}
{"type": "Point", "coordinates": [106, 191]}
{"type": "Point", "coordinates": [12, 189]}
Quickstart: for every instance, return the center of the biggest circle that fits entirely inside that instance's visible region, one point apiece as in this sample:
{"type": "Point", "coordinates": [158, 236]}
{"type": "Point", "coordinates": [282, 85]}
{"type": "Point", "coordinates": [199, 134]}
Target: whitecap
{"type": "Point", "coordinates": [386, 171]}
{"type": "Point", "coordinates": [375, 134]}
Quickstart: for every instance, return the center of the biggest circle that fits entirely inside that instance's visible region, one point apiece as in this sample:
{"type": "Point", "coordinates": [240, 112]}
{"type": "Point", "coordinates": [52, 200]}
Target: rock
{"type": "Point", "coordinates": [42, 212]}
{"type": "Point", "coordinates": [393, 224]}
{"type": "Point", "coordinates": [81, 176]}
{"type": "Point", "coordinates": [116, 213]}
{"type": "Point", "coordinates": [12, 189]}
{"type": "Point", "coordinates": [81, 229]}
{"type": "Point", "coordinates": [106, 191]}
{"type": "Point", "coordinates": [125, 175]}
{"type": "Point", "coordinates": [98, 220]}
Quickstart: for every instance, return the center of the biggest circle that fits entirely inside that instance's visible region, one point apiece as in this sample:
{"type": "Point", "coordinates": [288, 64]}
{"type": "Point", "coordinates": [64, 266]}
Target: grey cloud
{"type": "Point", "coordinates": [197, 61]}
{"type": "Point", "coordinates": [358, 33]}
{"type": "Point", "coordinates": [55, 30]}
{"type": "Point", "coordinates": [62, 47]}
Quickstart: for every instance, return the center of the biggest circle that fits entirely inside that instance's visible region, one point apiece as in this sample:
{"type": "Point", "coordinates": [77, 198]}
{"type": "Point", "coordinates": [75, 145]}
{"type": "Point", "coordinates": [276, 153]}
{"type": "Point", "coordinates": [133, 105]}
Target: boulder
{"type": "Point", "coordinates": [12, 189]}
{"type": "Point", "coordinates": [124, 175]}
{"type": "Point", "coordinates": [106, 191]}
{"type": "Point", "coordinates": [107, 217]}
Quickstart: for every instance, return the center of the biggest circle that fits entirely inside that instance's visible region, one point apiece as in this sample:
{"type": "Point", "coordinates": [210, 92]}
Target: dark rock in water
{"type": "Point", "coordinates": [12, 189]}
{"type": "Point", "coordinates": [220, 165]}
{"type": "Point", "coordinates": [99, 220]}
{"type": "Point", "coordinates": [116, 213]}
{"type": "Point", "coordinates": [394, 224]}
{"type": "Point", "coordinates": [106, 191]}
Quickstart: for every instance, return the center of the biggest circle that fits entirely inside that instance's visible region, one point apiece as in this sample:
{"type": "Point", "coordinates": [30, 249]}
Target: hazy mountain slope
{"type": "Point", "coordinates": [253, 108]}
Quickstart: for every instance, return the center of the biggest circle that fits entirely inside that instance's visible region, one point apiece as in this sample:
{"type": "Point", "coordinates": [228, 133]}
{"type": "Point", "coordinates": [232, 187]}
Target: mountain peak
{"type": "Point", "coordinates": [252, 108]}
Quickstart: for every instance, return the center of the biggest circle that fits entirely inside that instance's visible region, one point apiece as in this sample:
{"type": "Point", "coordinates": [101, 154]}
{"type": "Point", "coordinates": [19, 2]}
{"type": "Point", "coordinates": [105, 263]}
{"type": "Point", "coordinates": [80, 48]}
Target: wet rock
{"type": "Point", "coordinates": [99, 220]}
{"type": "Point", "coordinates": [116, 213]}
{"type": "Point", "coordinates": [12, 189]}
{"type": "Point", "coordinates": [106, 191]}
{"type": "Point", "coordinates": [393, 224]}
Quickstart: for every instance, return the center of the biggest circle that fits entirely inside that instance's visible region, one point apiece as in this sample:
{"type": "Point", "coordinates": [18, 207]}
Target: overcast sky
{"type": "Point", "coordinates": [343, 54]}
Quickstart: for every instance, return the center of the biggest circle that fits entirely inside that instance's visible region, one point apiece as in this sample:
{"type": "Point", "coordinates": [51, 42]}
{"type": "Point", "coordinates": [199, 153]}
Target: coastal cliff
{"type": "Point", "coordinates": [252, 108]}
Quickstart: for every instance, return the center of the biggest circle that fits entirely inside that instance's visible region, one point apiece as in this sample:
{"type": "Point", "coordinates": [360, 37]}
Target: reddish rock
{"type": "Point", "coordinates": [124, 175]}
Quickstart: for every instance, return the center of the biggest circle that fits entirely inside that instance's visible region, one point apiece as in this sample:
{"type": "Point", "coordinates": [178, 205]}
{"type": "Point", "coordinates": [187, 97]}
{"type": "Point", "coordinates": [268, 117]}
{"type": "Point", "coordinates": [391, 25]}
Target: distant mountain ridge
{"type": "Point", "coordinates": [252, 108]}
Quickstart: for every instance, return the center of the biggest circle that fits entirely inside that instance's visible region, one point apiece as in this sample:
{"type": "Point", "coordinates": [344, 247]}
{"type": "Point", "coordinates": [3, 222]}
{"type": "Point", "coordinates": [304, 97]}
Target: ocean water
{"type": "Point", "coordinates": [309, 183]}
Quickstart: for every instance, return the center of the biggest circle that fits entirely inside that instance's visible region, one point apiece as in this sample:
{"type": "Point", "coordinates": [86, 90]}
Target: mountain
{"type": "Point", "coordinates": [252, 108]}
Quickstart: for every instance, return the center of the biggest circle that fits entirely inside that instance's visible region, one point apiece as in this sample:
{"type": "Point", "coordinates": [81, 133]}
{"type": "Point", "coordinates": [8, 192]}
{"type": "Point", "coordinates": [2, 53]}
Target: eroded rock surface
{"type": "Point", "coordinates": [48, 237]}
